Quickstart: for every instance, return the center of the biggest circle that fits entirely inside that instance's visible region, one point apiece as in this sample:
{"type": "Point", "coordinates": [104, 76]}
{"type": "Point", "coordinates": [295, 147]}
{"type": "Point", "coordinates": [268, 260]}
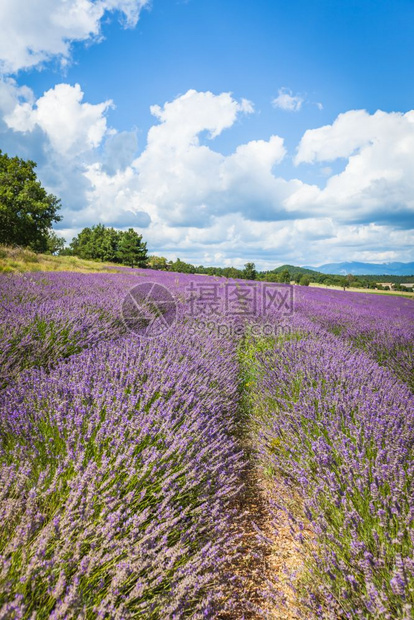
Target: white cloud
{"type": "Point", "coordinates": [286, 100]}
{"type": "Point", "coordinates": [354, 130]}
{"type": "Point", "coordinates": [35, 31]}
{"type": "Point", "coordinates": [72, 127]}
{"type": "Point", "coordinates": [193, 201]}
{"type": "Point", "coordinates": [377, 183]}
{"type": "Point", "coordinates": [184, 183]}
{"type": "Point", "coordinates": [183, 119]}
{"type": "Point", "coordinates": [237, 204]}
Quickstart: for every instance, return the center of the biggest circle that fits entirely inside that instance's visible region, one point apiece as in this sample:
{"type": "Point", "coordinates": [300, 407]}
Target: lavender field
{"type": "Point", "coordinates": [124, 459]}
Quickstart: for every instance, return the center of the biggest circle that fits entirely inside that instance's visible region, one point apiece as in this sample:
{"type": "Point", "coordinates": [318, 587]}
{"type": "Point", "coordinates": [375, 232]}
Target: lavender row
{"type": "Point", "coordinates": [339, 431]}
{"type": "Point", "coordinates": [48, 317]}
{"type": "Point", "coordinates": [381, 325]}
{"type": "Point", "coordinates": [118, 469]}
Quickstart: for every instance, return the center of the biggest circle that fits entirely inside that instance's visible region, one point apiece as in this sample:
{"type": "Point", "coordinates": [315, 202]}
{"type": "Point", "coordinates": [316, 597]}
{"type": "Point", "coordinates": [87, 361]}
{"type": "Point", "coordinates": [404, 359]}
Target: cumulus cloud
{"type": "Point", "coordinates": [239, 201]}
{"type": "Point", "coordinates": [71, 125]}
{"type": "Point", "coordinates": [35, 32]}
{"type": "Point", "coordinates": [180, 181]}
{"type": "Point", "coordinates": [349, 132]}
{"type": "Point", "coordinates": [377, 183]}
{"type": "Point", "coordinates": [183, 119]}
{"type": "Point", "coordinates": [286, 100]}
{"type": "Point", "coordinates": [187, 195]}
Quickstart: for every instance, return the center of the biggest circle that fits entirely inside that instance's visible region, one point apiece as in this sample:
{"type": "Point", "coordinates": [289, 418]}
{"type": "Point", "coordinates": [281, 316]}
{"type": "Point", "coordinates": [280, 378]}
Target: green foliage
{"type": "Point", "coordinates": [270, 277]}
{"type": "Point", "coordinates": [279, 275]}
{"type": "Point", "coordinates": [181, 267]}
{"type": "Point", "coordinates": [27, 211]}
{"type": "Point", "coordinates": [249, 271]}
{"type": "Point", "coordinates": [107, 244]}
{"type": "Point", "coordinates": [285, 276]}
{"type": "Point", "coordinates": [224, 272]}
{"type": "Point", "coordinates": [158, 262]}
{"type": "Point", "coordinates": [131, 250]}
{"type": "Point", "coordinates": [345, 283]}
{"type": "Point", "coordinates": [304, 281]}
{"type": "Point", "coordinates": [55, 244]}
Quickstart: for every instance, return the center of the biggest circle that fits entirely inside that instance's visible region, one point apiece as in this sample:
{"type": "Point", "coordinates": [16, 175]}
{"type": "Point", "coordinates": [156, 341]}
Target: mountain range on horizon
{"type": "Point", "coordinates": [366, 269]}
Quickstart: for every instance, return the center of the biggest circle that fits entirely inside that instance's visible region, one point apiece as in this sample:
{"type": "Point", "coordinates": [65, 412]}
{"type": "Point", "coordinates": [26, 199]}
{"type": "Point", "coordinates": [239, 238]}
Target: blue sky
{"type": "Point", "coordinates": [283, 131]}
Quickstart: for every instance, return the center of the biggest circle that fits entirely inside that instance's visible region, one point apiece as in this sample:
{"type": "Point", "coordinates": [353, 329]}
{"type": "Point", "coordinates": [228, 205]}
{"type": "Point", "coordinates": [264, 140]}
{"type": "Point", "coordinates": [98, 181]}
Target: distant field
{"type": "Point", "coordinates": [364, 290]}
{"type": "Point", "coordinates": [15, 260]}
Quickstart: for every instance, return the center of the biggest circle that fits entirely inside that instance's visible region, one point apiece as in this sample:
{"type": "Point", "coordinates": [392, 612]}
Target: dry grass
{"type": "Point", "coordinates": [18, 260]}
{"type": "Point", "coordinates": [364, 290]}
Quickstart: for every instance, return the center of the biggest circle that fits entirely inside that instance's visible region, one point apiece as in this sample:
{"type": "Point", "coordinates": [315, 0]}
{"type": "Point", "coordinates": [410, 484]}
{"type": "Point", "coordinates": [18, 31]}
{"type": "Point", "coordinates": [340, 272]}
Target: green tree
{"type": "Point", "coordinates": [249, 271]}
{"type": "Point", "coordinates": [304, 281]}
{"type": "Point", "coordinates": [55, 244]}
{"type": "Point", "coordinates": [132, 250]}
{"type": "Point", "coordinates": [106, 243]}
{"type": "Point", "coordinates": [157, 262]}
{"type": "Point", "coordinates": [97, 243]}
{"type": "Point", "coordinates": [273, 277]}
{"type": "Point", "coordinates": [180, 266]}
{"type": "Point", "coordinates": [285, 276]}
{"type": "Point", "coordinates": [82, 245]}
{"type": "Point", "coordinates": [27, 211]}
{"type": "Point", "coordinates": [344, 282]}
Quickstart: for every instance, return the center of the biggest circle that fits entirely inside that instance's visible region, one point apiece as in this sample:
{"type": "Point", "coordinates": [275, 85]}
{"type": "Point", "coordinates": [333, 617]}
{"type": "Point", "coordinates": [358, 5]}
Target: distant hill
{"type": "Point", "coordinates": [364, 269]}
{"type": "Point", "coordinates": [294, 270]}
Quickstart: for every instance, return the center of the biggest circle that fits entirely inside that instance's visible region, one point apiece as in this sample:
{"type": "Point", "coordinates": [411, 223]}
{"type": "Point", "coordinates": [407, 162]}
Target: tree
{"type": "Point", "coordinates": [27, 211]}
{"type": "Point", "coordinates": [97, 243]}
{"type": "Point", "coordinates": [157, 262]}
{"type": "Point", "coordinates": [285, 276]}
{"type": "Point", "coordinates": [180, 266]}
{"type": "Point", "coordinates": [272, 277]}
{"type": "Point", "coordinates": [131, 249]}
{"type": "Point", "coordinates": [249, 271]}
{"type": "Point", "coordinates": [55, 244]}
{"type": "Point", "coordinates": [82, 244]}
{"type": "Point", "coordinates": [107, 244]}
{"type": "Point", "coordinates": [304, 281]}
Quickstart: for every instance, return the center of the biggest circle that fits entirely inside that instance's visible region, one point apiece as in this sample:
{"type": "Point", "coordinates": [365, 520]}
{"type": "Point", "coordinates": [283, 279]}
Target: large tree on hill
{"type": "Point", "coordinates": [27, 211]}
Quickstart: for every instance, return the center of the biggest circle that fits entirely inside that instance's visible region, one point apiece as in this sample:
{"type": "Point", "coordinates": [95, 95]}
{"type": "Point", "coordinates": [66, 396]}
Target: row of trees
{"type": "Point", "coordinates": [284, 274]}
{"type": "Point", "coordinates": [107, 244]}
{"type": "Point", "coordinates": [249, 272]}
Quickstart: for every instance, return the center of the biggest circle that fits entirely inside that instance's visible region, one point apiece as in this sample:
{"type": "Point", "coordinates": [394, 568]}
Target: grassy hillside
{"type": "Point", "coordinates": [294, 271]}
{"type": "Point", "coordinates": [19, 260]}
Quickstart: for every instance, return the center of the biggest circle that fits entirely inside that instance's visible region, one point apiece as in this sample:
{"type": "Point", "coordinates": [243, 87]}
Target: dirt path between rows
{"type": "Point", "coordinates": [262, 585]}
